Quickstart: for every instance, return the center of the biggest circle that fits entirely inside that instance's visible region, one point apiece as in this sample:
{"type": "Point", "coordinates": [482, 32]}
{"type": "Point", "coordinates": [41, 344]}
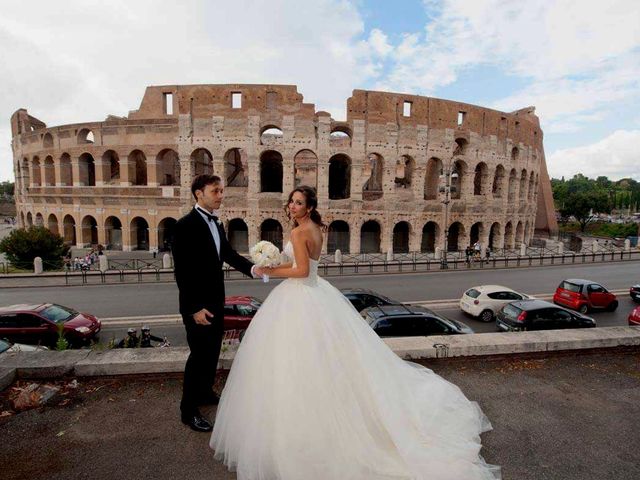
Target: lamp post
{"type": "Point", "coordinates": [448, 174]}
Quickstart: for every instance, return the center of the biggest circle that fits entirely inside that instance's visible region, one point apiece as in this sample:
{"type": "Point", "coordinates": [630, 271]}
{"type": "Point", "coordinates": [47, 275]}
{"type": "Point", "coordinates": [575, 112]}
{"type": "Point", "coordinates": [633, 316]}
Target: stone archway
{"type": "Point", "coordinates": [338, 237]}
{"type": "Point", "coordinates": [271, 231]}
{"type": "Point", "coordinates": [238, 234]}
{"type": "Point", "coordinates": [139, 234]}
{"type": "Point", "coordinates": [370, 237]}
{"type": "Point", "coordinates": [113, 233]}
{"type": "Point", "coordinates": [401, 232]}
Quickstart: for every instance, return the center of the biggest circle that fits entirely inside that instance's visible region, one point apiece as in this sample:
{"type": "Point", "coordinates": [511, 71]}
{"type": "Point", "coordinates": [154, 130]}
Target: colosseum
{"type": "Point", "coordinates": [403, 173]}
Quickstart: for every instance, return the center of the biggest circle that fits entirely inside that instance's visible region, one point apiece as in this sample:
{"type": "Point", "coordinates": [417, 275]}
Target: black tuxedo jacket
{"type": "Point", "coordinates": [198, 268]}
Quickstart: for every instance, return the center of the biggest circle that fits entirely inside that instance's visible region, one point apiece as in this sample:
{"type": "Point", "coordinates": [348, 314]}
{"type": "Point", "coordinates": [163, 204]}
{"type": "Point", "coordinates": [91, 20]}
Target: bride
{"type": "Point", "coordinates": [314, 394]}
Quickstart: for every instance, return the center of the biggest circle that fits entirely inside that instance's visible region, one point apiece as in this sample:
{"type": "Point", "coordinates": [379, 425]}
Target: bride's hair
{"type": "Point", "coordinates": [311, 199]}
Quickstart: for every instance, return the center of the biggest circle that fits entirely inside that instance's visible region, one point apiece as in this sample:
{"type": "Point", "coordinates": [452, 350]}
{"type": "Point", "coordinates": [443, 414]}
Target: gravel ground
{"type": "Point", "coordinates": [563, 417]}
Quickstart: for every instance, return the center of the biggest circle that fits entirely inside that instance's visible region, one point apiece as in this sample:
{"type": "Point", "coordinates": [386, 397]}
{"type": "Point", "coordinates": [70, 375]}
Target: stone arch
{"type": "Point", "coordinates": [480, 179]}
{"type": "Point", "coordinates": [405, 166]}
{"type": "Point", "coordinates": [49, 171]}
{"type": "Point", "coordinates": [66, 171]}
{"type": "Point", "coordinates": [523, 184]}
{"type": "Point", "coordinates": [305, 164]}
{"type": "Point", "coordinates": [401, 234]}
{"type": "Point", "coordinates": [271, 135]}
{"type": "Point", "coordinates": [85, 135]}
{"type": "Point", "coordinates": [370, 237]}
{"type": "Point", "coordinates": [236, 171]}
{"type": "Point", "coordinates": [374, 167]}
{"type": "Point", "coordinates": [168, 168]}
{"type": "Point", "coordinates": [137, 168]}
{"type": "Point", "coordinates": [271, 171]}
{"type": "Point", "coordinates": [513, 179]}
{"type": "Point", "coordinates": [47, 141]}
{"type": "Point", "coordinates": [238, 234]}
{"type": "Point", "coordinates": [37, 173]}
{"type": "Point", "coordinates": [87, 170]}
{"type": "Point", "coordinates": [454, 237]}
{"type": "Point", "coordinates": [338, 237]}
{"type": "Point", "coordinates": [139, 234]}
{"type": "Point", "coordinates": [432, 180]}
{"type": "Point", "coordinates": [519, 234]}
{"type": "Point", "coordinates": [113, 233]}
{"type": "Point", "coordinates": [460, 167]}
{"type": "Point", "coordinates": [29, 220]}
{"type": "Point", "coordinates": [89, 231]}
{"type": "Point", "coordinates": [339, 177]}
{"type": "Point", "coordinates": [110, 167]}
{"type": "Point", "coordinates": [515, 154]}
{"type": "Point", "coordinates": [495, 236]}
{"type": "Point", "coordinates": [476, 233]}
{"type": "Point", "coordinates": [461, 146]}
{"type": "Point", "coordinates": [69, 230]}
{"type": "Point", "coordinates": [531, 183]}
{"type": "Point", "coordinates": [202, 162]}
{"type": "Point", "coordinates": [340, 137]}
{"type": "Point", "coordinates": [430, 234]}
{"type": "Point", "coordinates": [509, 236]}
{"type": "Point", "coordinates": [498, 182]}
{"type": "Point", "coordinates": [39, 220]}
{"type": "Point", "coordinates": [165, 233]}
{"type": "Point", "coordinates": [52, 224]}
{"type": "Point", "coordinates": [271, 231]}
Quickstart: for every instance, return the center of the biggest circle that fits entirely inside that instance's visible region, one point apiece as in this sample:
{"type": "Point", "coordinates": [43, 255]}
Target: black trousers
{"type": "Point", "coordinates": [200, 371]}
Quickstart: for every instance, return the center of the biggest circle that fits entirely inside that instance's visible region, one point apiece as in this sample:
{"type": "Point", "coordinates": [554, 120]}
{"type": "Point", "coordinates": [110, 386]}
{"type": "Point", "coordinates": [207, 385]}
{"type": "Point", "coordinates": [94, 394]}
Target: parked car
{"type": "Point", "coordinates": [584, 295]}
{"type": "Point", "coordinates": [484, 301]}
{"type": "Point", "coordinates": [410, 321]}
{"type": "Point", "coordinates": [362, 298]}
{"type": "Point", "coordinates": [634, 291]}
{"type": "Point", "coordinates": [634, 317]}
{"type": "Point", "coordinates": [9, 347]}
{"type": "Point", "coordinates": [38, 324]}
{"type": "Point", "coordinates": [534, 314]}
{"type": "Point", "coordinates": [239, 311]}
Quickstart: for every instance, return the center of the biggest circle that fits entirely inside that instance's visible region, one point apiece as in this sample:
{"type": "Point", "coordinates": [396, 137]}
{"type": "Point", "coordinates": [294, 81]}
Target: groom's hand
{"type": "Point", "coordinates": [201, 317]}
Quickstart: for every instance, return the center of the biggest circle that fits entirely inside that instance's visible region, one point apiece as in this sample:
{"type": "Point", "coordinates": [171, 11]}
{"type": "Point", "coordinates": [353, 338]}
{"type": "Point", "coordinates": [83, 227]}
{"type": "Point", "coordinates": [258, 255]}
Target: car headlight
{"type": "Point", "coordinates": [83, 329]}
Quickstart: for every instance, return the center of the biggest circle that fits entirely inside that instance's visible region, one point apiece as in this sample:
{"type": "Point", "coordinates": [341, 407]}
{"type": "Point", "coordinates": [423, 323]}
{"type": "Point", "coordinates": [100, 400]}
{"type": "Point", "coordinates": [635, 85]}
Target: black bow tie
{"type": "Point", "coordinates": [211, 218]}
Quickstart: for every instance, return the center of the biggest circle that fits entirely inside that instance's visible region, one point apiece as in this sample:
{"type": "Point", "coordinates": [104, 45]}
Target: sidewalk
{"type": "Point", "coordinates": [564, 417]}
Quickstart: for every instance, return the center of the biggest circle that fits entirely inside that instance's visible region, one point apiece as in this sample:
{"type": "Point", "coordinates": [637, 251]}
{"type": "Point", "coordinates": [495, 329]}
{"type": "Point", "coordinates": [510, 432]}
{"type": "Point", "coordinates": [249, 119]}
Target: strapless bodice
{"type": "Point", "coordinates": [312, 279]}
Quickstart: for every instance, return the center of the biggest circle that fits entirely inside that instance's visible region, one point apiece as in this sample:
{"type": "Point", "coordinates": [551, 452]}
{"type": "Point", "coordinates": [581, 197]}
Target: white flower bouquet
{"type": "Point", "coordinates": [265, 254]}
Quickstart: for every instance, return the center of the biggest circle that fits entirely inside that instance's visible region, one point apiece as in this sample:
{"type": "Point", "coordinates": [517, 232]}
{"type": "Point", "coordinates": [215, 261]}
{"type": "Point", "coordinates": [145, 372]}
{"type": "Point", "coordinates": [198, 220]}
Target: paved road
{"type": "Point", "coordinates": [162, 298]}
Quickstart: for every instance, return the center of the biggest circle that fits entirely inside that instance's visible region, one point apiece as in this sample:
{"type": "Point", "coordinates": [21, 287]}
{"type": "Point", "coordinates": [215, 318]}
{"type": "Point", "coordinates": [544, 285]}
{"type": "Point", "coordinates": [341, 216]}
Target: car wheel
{"type": "Point", "coordinates": [612, 306]}
{"type": "Point", "coordinates": [584, 308]}
{"type": "Point", "coordinates": [486, 316]}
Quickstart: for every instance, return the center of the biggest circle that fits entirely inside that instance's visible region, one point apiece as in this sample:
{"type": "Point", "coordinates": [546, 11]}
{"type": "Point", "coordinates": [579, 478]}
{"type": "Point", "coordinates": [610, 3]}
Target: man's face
{"type": "Point", "coordinates": [211, 196]}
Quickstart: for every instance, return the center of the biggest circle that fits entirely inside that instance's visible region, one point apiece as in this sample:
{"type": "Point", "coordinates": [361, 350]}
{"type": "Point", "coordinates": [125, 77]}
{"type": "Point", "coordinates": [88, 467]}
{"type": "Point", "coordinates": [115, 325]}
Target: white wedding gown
{"type": "Point", "coordinates": [314, 394]}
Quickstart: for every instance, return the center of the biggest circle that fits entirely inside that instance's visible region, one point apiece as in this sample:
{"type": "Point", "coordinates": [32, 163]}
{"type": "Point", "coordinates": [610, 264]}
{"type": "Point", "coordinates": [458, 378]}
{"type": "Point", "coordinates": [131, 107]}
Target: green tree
{"type": "Point", "coordinates": [583, 205]}
{"type": "Point", "coordinates": [22, 246]}
{"type": "Point", "coordinates": [7, 189]}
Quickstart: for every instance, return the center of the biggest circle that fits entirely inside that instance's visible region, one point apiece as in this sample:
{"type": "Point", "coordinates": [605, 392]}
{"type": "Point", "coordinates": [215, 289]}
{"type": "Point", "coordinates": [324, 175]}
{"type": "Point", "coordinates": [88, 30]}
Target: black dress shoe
{"type": "Point", "coordinates": [198, 423]}
{"type": "Point", "coordinates": [211, 399]}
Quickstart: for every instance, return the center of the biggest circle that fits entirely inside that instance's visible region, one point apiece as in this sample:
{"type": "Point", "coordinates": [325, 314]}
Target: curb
{"type": "Point", "coordinates": [87, 363]}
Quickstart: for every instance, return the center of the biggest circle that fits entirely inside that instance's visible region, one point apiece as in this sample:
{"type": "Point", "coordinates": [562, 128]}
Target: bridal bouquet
{"type": "Point", "coordinates": [265, 254]}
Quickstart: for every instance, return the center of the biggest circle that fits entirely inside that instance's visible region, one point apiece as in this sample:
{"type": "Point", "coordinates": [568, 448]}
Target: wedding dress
{"type": "Point", "coordinates": [314, 394]}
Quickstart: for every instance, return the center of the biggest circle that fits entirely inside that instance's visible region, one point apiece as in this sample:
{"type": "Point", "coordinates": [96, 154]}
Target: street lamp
{"type": "Point", "coordinates": [448, 174]}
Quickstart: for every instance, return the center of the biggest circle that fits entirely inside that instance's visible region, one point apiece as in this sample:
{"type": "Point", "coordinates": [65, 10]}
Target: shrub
{"type": "Point", "coordinates": [21, 246]}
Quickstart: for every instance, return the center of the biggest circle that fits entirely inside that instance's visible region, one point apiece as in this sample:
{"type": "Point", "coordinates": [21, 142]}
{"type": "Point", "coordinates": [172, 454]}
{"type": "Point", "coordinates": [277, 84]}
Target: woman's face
{"type": "Point", "coordinates": [298, 206]}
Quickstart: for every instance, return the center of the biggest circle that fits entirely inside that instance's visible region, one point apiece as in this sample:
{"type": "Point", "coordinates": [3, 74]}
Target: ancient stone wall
{"type": "Point", "coordinates": [401, 173]}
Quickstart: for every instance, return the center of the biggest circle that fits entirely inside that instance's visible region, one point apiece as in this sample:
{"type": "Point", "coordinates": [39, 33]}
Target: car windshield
{"type": "Point", "coordinates": [511, 311]}
{"type": "Point", "coordinates": [58, 314]}
{"type": "Point", "coordinates": [572, 287]}
{"type": "Point", "coordinates": [4, 346]}
{"type": "Point", "coordinates": [472, 292]}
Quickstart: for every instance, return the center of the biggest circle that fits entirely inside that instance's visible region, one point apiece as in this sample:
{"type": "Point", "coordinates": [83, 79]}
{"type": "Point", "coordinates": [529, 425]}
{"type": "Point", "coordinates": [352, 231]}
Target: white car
{"type": "Point", "coordinates": [19, 347]}
{"type": "Point", "coordinates": [484, 301]}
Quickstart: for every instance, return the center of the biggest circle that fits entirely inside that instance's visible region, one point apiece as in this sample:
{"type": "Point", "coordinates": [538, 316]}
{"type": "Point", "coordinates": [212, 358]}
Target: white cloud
{"type": "Point", "coordinates": [89, 59]}
{"type": "Point", "coordinates": [615, 156]}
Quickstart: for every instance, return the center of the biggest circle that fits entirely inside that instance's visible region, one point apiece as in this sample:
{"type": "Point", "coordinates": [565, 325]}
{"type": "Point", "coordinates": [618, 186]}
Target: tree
{"type": "Point", "coordinates": [584, 204]}
{"type": "Point", "coordinates": [7, 189]}
{"type": "Point", "coordinates": [22, 246]}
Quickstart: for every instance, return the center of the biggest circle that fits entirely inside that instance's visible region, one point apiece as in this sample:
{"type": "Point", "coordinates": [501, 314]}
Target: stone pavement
{"type": "Point", "coordinates": [569, 417]}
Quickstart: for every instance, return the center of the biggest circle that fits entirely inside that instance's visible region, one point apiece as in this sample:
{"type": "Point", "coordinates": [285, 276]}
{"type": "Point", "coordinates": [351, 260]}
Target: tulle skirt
{"type": "Point", "coordinates": [314, 394]}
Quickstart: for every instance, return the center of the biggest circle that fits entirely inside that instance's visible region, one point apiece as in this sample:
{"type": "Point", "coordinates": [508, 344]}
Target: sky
{"type": "Point", "coordinates": [576, 61]}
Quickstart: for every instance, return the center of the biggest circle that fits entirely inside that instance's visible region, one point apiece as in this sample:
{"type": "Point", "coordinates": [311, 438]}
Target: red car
{"type": "Point", "coordinates": [634, 317]}
{"type": "Point", "coordinates": [584, 295]}
{"type": "Point", "coordinates": [239, 311]}
{"type": "Point", "coordinates": [38, 324]}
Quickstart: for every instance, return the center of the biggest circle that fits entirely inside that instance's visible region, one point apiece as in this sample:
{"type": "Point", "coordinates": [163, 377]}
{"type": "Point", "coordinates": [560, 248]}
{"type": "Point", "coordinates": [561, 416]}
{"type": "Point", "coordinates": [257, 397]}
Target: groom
{"type": "Point", "coordinates": [199, 248]}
